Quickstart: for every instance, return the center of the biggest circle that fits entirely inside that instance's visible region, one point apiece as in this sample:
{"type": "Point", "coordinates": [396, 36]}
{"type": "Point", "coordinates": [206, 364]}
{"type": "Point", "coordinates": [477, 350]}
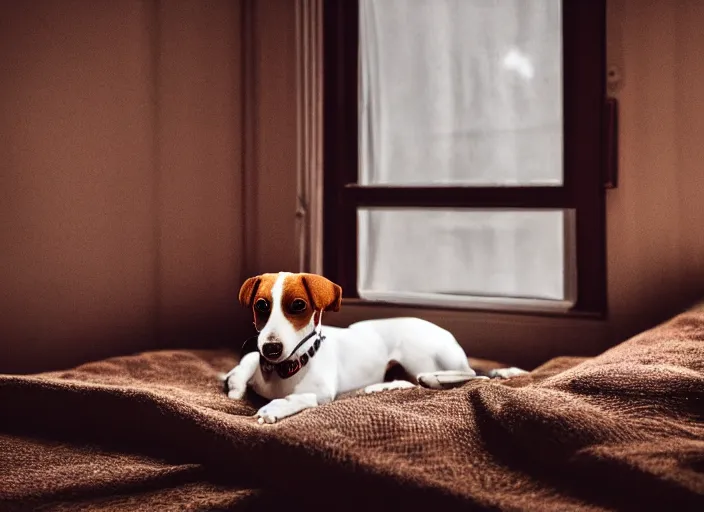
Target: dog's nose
{"type": "Point", "coordinates": [272, 350]}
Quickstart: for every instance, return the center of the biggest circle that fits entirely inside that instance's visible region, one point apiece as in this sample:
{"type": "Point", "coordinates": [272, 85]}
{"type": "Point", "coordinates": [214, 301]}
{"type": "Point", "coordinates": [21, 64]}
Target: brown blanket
{"type": "Point", "coordinates": [156, 432]}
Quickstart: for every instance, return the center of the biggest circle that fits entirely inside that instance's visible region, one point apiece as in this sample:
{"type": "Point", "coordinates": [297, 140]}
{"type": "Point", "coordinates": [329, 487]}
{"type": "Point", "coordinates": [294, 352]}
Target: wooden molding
{"type": "Point", "coordinates": [309, 105]}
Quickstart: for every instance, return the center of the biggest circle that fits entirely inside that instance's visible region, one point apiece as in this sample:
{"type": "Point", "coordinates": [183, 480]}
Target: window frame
{"type": "Point", "coordinates": [584, 150]}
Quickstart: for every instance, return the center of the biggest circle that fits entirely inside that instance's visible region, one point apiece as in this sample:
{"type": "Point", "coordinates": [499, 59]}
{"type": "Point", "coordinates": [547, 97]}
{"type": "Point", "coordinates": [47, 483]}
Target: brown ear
{"type": "Point", "coordinates": [324, 294]}
{"type": "Point", "coordinates": [249, 290]}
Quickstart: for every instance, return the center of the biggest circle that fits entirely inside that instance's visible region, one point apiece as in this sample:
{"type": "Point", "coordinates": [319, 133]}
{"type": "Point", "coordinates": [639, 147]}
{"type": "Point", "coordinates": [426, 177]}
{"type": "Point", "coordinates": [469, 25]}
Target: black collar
{"type": "Point", "coordinates": [292, 365]}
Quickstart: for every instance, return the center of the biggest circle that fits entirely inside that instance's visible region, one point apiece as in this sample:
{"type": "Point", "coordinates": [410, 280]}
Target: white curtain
{"type": "Point", "coordinates": [461, 92]}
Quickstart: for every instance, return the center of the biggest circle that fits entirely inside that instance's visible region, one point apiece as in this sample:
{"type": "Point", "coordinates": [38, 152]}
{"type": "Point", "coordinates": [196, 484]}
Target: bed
{"type": "Point", "coordinates": [155, 431]}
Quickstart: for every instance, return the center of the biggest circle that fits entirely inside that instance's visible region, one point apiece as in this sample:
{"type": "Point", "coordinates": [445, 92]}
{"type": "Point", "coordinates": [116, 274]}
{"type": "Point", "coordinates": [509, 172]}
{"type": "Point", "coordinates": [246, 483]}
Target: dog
{"type": "Point", "coordinates": [299, 364]}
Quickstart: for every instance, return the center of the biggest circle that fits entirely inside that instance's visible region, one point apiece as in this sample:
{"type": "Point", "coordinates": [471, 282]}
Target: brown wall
{"type": "Point", "coordinates": [120, 177]}
{"type": "Point", "coordinates": [656, 216]}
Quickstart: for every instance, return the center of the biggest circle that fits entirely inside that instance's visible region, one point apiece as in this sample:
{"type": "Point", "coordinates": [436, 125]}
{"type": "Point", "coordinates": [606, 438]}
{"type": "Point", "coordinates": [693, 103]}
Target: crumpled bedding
{"type": "Point", "coordinates": [155, 431]}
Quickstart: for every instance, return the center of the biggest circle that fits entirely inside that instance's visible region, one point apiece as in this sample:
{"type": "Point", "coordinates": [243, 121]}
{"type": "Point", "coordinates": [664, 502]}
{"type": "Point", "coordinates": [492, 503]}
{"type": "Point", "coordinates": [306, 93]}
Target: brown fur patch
{"type": "Point", "coordinates": [263, 291]}
{"type": "Point", "coordinates": [294, 288]}
{"type": "Point", "coordinates": [325, 295]}
{"type": "Point", "coordinates": [247, 291]}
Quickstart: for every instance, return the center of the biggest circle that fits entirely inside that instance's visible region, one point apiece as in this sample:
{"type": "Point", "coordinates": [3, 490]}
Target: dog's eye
{"type": "Point", "coordinates": [262, 305]}
{"type": "Point", "coordinates": [298, 306]}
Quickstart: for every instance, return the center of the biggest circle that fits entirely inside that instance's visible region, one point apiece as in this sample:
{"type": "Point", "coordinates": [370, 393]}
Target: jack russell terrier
{"type": "Point", "coordinates": [300, 365]}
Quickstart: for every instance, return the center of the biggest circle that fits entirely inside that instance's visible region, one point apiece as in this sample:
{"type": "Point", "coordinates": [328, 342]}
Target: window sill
{"type": "Point", "coordinates": [504, 310]}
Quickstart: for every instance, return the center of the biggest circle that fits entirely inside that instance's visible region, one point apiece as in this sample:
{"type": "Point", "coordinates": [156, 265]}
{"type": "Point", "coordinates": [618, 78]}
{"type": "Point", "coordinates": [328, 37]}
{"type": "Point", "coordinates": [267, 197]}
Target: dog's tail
{"type": "Point", "coordinates": [453, 378]}
{"type": "Point", "coordinates": [448, 379]}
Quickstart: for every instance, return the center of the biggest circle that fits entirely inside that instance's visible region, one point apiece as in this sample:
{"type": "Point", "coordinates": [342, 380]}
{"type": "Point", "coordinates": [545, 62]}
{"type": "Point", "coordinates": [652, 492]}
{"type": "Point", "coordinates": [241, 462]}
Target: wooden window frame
{"type": "Point", "coordinates": [583, 190]}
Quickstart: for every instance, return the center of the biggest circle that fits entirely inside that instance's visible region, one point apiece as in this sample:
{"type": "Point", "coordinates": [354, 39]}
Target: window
{"type": "Point", "coordinates": [463, 152]}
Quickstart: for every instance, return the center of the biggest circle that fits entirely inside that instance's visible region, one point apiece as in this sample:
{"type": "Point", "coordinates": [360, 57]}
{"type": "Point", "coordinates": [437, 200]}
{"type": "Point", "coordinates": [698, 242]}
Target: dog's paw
{"type": "Point", "coordinates": [236, 392]}
{"type": "Point", "coordinates": [234, 387]}
{"type": "Point", "coordinates": [506, 373]}
{"type": "Point", "coordinates": [386, 386]}
{"type": "Point", "coordinates": [274, 411]}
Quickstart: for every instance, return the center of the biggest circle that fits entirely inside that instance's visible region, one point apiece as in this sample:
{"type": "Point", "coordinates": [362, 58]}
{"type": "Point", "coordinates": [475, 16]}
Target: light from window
{"type": "Point", "coordinates": [462, 93]}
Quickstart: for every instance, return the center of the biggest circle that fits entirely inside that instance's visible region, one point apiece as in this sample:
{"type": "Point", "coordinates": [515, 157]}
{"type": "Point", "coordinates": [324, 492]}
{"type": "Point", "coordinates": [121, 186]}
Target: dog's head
{"type": "Point", "coordinates": [287, 307]}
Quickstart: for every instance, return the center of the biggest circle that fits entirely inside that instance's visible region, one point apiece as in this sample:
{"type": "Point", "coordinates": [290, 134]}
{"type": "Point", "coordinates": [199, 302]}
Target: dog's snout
{"type": "Point", "coordinates": [272, 349]}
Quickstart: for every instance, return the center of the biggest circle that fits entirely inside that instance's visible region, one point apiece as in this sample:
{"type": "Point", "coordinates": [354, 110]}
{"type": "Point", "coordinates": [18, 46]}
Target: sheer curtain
{"type": "Point", "coordinates": [463, 93]}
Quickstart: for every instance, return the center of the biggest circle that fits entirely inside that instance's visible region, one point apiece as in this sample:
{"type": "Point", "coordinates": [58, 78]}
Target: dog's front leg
{"type": "Point", "coordinates": [236, 380]}
{"type": "Point", "coordinates": [284, 407]}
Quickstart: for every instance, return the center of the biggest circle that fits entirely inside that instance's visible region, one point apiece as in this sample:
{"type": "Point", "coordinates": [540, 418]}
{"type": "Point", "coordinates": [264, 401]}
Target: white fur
{"type": "Point", "coordinates": [506, 373]}
{"type": "Point", "coordinates": [350, 359]}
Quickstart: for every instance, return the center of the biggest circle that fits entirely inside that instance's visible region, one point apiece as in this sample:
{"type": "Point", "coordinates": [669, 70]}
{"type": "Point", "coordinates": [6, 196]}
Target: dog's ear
{"type": "Point", "coordinates": [324, 294]}
{"type": "Point", "coordinates": [249, 290]}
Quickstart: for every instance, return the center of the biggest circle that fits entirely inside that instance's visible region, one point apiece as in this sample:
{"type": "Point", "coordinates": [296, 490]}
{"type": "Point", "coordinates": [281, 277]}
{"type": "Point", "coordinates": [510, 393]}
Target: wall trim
{"type": "Point", "coordinates": [309, 105]}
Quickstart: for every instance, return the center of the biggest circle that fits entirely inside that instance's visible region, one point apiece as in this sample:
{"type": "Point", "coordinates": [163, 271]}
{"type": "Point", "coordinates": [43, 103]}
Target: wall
{"type": "Point", "coordinates": [656, 216]}
{"type": "Point", "coordinates": [200, 170]}
{"type": "Point", "coordinates": [120, 177]}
